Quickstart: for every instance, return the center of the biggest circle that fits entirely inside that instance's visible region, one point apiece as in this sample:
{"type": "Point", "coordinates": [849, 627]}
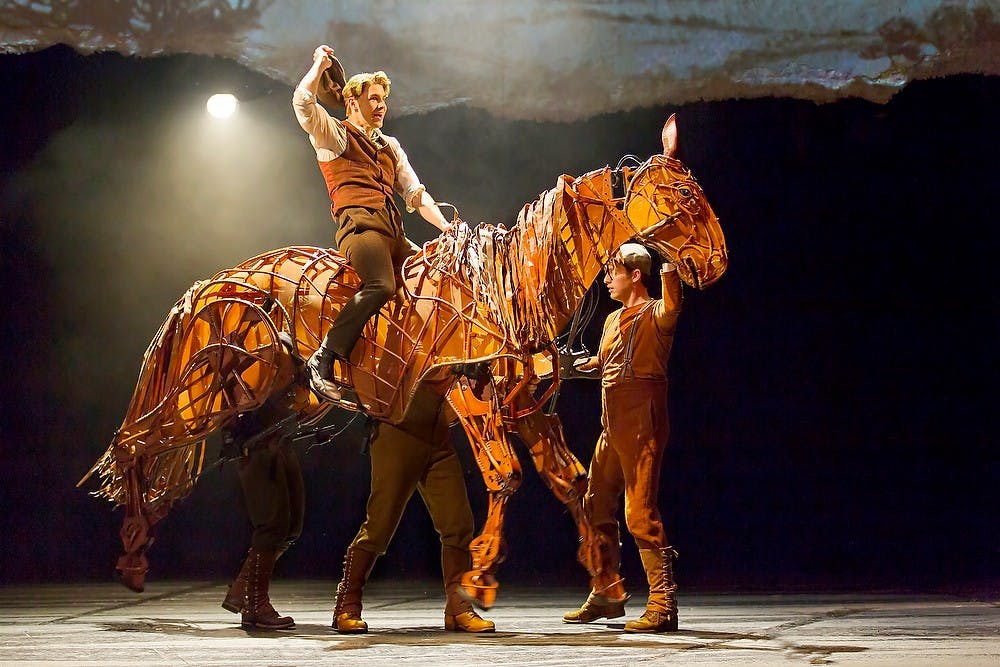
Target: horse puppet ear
{"type": "Point", "coordinates": [669, 136]}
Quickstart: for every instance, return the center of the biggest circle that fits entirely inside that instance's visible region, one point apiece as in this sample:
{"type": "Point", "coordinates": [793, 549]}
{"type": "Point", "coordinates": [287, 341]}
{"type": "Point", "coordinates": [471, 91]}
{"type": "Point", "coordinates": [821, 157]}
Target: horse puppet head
{"type": "Point", "coordinates": [669, 213]}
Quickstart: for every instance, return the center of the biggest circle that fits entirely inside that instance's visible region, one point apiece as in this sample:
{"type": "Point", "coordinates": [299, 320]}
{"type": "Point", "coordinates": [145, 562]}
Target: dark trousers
{"type": "Point", "coordinates": [377, 258]}
{"type": "Point", "coordinates": [275, 496]}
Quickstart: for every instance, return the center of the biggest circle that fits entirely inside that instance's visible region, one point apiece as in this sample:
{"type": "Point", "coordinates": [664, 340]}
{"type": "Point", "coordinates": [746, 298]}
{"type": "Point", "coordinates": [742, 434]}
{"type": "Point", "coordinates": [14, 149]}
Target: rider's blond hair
{"type": "Point", "coordinates": [356, 84]}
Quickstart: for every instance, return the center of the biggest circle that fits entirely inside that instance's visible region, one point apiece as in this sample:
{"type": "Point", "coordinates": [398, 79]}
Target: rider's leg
{"type": "Point", "coordinates": [370, 254]}
{"type": "Point", "coordinates": [403, 249]}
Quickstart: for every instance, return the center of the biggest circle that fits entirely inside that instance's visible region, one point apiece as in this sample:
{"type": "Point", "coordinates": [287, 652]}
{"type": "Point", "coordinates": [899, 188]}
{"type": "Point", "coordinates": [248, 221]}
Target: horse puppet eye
{"type": "Point", "coordinates": [685, 192]}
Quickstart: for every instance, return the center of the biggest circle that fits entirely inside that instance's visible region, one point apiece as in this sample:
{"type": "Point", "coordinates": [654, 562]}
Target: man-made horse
{"type": "Point", "coordinates": [483, 306]}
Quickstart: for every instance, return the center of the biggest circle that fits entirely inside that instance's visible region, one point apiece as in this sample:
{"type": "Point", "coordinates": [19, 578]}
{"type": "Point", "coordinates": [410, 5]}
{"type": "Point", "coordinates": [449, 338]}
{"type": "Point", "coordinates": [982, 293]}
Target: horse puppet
{"type": "Point", "coordinates": [482, 310]}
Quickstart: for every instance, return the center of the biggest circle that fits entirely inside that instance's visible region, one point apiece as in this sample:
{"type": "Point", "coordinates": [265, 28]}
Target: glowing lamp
{"type": "Point", "coordinates": [222, 105]}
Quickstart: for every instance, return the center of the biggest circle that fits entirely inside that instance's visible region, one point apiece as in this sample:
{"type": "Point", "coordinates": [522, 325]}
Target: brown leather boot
{"type": "Point", "coordinates": [258, 612]}
{"type": "Point", "coordinates": [459, 615]}
{"type": "Point", "coordinates": [661, 608]}
{"type": "Point", "coordinates": [358, 564]}
{"type": "Point", "coordinates": [607, 594]}
{"type": "Point", "coordinates": [597, 606]}
{"type": "Point", "coordinates": [468, 621]}
{"type": "Point", "coordinates": [236, 597]}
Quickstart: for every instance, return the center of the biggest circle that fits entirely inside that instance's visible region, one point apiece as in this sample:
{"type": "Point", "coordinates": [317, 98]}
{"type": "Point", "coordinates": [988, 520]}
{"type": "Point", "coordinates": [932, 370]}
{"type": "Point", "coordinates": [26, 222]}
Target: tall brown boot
{"type": "Point", "coordinates": [358, 564]}
{"type": "Point", "coordinates": [258, 612]}
{"type": "Point", "coordinates": [661, 608]}
{"type": "Point", "coordinates": [236, 597]}
{"type": "Point", "coordinates": [459, 616]}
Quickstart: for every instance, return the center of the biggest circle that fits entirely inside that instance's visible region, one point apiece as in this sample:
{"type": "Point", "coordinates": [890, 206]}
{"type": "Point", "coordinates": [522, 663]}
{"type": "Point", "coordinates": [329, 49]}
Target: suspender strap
{"type": "Point", "coordinates": [630, 345]}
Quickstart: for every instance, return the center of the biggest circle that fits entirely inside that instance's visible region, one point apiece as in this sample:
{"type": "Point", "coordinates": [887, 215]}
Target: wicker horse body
{"type": "Point", "coordinates": [486, 299]}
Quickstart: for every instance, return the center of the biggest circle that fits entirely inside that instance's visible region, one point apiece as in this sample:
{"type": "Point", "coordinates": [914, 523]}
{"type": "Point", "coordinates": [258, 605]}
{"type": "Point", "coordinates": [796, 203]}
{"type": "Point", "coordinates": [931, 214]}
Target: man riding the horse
{"type": "Point", "coordinates": [362, 168]}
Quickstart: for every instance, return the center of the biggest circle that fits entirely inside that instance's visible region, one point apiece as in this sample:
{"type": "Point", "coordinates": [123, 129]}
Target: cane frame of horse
{"type": "Point", "coordinates": [483, 307]}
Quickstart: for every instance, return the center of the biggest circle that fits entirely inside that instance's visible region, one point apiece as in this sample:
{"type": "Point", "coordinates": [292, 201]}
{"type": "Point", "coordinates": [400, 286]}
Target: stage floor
{"type": "Point", "coordinates": [181, 623]}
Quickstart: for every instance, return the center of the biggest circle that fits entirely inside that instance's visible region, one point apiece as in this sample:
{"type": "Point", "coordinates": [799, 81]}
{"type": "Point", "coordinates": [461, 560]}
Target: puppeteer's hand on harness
{"type": "Point", "coordinates": [581, 367]}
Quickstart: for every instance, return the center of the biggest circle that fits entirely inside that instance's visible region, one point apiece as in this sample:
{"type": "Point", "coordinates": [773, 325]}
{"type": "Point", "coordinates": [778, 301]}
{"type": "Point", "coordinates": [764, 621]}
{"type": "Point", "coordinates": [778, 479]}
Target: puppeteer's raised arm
{"type": "Point", "coordinates": [669, 309]}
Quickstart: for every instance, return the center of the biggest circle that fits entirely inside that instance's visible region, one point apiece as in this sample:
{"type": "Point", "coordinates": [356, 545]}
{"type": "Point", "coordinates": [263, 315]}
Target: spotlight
{"type": "Point", "coordinates": [222, 105]}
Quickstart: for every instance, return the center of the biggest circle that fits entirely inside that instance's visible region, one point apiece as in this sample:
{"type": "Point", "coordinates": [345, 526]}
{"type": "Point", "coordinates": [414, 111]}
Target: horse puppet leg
{"type": "Point", "coordinates": [136, 535]}
{"type": "Point", "coordinates": [501, 471]}
{"type": "Point", "coordinates": [567, 479]}
{"type": "Point", "coordinates": [150, 486]}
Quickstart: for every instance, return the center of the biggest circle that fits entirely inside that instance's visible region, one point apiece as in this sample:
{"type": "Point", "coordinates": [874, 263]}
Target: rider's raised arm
{"type": "Point", "coordinates": [325, 131]}
{"type": "Point", "coordinates": [413, 192]}
{"type": "Point", "coordinates": [668, 309]}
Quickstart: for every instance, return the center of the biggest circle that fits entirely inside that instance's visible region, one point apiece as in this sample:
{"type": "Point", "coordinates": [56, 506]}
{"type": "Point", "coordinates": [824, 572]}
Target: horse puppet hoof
{"type": "Point", "coordinates": [479, 589]}
{"type": "Point", "coordinates": [133, 572]}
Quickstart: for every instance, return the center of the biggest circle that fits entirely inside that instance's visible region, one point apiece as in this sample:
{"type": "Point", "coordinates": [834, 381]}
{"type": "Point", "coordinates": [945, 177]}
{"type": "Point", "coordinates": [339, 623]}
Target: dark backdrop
{"type": "Point", "coordinates": [830, 396]}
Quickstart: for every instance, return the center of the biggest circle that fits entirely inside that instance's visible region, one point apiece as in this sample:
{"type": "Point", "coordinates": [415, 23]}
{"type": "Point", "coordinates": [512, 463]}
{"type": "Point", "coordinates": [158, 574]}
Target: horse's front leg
{"type": "Point", "coordinates": [501, 471]}
{"type": "Point", "coordinates": [567, 479]}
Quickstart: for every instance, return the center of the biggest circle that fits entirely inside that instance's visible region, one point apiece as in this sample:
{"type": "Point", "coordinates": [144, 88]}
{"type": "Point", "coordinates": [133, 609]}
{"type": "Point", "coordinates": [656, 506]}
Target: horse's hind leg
{"type": "Point", "coordinates": [502, 475]}
{"type": "Point", "coordinates": [567, 479]}
{"type": "Point", "coordinates": [136, 535]}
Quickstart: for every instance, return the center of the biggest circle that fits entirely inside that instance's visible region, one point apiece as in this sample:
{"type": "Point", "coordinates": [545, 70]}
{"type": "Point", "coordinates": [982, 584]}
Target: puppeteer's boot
{"type": "Point", "coordinates": [258, 612]}
{"type": "Point", "coordinates": [236, 597]}
{"type": "Point", "coordinates": [661, 608]}
{"type": "Point", "coordinates": [358, 564]}
{"type": "Point", "coordinates": [606, 600]}
{"type": "Point", "coordinates": [597, 606]}
{"type": "Point", "coordinates": [459, 616]}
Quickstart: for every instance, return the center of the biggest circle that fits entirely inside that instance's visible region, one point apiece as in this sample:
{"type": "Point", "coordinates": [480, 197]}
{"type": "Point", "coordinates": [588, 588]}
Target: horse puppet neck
{"type": "Point", "coordinates": [529, 280]}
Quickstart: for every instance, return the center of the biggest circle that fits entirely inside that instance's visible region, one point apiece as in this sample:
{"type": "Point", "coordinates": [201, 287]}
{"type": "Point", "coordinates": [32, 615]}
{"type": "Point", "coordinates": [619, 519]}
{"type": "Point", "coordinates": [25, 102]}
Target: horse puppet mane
{"type": "Point", "coordinates": [527, 280]}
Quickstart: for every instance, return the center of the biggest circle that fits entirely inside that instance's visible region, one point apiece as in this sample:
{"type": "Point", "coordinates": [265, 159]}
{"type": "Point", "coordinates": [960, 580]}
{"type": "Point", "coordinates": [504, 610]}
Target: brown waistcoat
{"type": "Point", "coordinates": [363, 175]}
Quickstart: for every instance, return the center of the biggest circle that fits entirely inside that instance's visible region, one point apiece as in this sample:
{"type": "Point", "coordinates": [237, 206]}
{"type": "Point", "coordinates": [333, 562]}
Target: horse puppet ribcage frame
{"type": "Point", "coordinates": [482, 309]}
